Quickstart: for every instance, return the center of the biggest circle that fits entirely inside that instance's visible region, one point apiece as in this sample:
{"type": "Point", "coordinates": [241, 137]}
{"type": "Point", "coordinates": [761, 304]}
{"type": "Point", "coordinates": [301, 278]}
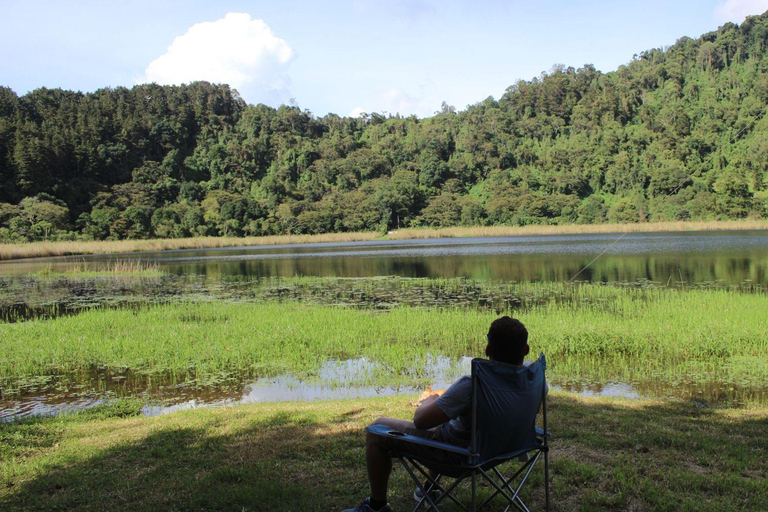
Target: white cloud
{"type": "Point", "coordinates": [235, 50]}
{"type": "Point", "coordinates": [397, 101]}
{"type": "Point", "coordinates": [356, 112]}
{"type": "Point", "coordinates": [737, 10]}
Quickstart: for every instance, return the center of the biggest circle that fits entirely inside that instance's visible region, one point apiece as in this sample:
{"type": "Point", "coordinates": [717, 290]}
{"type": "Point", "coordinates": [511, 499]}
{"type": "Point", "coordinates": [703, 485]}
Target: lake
{"type": "Point", "coordinates": [690, 258]}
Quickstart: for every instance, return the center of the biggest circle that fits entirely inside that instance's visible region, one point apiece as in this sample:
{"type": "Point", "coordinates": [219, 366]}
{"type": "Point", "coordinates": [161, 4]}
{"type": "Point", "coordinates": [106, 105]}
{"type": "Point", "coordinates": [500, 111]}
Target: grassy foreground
{"type": "Point", "coordinates": [69, 248]}
{"type": "Point", "coordinates": [607, 454]}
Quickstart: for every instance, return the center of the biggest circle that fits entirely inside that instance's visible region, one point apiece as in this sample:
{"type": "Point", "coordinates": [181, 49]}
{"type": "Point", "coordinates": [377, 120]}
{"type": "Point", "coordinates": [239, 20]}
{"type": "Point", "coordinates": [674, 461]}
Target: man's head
{"type": "Point", "coordinates": [507, 341]}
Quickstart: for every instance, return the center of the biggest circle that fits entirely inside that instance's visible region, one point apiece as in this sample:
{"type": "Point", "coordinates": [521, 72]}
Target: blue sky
{"type": "Point", "coordinates": [340, 56]}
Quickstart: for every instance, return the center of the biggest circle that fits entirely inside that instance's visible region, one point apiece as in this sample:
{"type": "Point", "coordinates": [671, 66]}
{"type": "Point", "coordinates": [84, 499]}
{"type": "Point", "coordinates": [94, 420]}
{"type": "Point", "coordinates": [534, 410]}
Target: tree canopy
{"type": "Point", "coordinates": [677, 133]}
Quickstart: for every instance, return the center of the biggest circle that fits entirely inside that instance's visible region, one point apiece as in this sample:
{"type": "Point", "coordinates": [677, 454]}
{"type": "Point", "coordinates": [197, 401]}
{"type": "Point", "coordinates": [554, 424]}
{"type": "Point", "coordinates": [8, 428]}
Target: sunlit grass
{"type": "Point", "coordinates": [590, 332]}
{"type": "Point", "coordinates": [566, 229]}
{"type": "Point", "coordinates": [69, 248]}
{"type": "Point", "coordinates": [606, 454]}
{"type": "Point", "coordinates": [84, 269]}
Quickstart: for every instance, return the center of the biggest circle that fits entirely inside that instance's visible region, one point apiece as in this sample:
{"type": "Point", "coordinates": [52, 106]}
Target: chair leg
{"type": "Point", "coordinates": [514, 499]}
{"type": "Point", "coordinates": [509, 488]}
{"type": "Point", "coordinates": [445, 491]}
{"type": "Point", "coordinates": [546, 478]}
{"type": "Point", "coordinates": [505, 482]}
{"type": "Point", "coordinates": [474, 496]}
{"type": "Point", "coordinates": [416, 479]}
{"type": "Point", "coordinates": [426, 490]}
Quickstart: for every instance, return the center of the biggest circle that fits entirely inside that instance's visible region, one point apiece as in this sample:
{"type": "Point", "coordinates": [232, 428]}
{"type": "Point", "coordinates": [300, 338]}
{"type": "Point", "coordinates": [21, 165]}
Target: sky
{"type": "Point", "coordinates": [345, 57]}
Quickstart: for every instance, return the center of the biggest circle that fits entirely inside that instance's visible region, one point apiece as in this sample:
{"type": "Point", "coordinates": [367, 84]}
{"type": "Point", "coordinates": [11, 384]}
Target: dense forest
{"type": "Point", "coordinates": [678, 133]}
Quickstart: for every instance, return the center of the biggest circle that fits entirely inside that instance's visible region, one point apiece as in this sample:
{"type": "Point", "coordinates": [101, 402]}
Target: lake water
{"type": "Point", "coordinates": [734, 259]}
{"type": "Point", "coordinates": [692, 258]}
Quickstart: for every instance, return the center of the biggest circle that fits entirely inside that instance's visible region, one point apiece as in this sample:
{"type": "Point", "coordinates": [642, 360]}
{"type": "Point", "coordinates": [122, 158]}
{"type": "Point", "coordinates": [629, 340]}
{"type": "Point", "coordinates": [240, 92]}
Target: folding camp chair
{"type": "Point", "coordinates": [505, 401]}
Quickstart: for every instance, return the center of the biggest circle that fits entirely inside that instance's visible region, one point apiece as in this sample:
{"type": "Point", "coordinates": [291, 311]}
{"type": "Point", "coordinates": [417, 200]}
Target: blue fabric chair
{"type": "Point", "coordinates": [505, 402]}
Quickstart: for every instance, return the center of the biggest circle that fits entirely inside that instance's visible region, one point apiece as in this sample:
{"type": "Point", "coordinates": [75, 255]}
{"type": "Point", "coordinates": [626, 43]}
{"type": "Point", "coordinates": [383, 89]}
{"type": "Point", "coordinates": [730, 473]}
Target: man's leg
{"type": "Point", "coordinates": [377, 457]}
{"type": "Point", "coordinates": [379, 464]}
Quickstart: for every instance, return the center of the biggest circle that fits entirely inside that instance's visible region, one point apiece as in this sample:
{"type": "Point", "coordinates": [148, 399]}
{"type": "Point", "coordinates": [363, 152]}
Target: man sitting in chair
{"type": "Point", "coordinates": [443, 418]}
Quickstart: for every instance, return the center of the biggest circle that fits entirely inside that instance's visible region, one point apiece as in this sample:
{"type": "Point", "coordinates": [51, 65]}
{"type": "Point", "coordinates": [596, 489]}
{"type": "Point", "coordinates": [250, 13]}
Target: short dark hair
{"type": "Point", "coordinates": [508, 339]}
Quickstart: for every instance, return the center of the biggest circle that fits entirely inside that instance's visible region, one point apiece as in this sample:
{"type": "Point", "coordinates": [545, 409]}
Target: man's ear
{"type": "Point", "coordinates": [488, 351]}
{"type": "Point", "coordinates": [527, 349]}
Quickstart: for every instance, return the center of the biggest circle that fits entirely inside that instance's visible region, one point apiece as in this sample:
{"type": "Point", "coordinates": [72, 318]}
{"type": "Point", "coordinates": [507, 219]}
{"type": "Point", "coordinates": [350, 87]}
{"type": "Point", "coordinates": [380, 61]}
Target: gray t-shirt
{"type": "Point", "coordinates": [456, 403]}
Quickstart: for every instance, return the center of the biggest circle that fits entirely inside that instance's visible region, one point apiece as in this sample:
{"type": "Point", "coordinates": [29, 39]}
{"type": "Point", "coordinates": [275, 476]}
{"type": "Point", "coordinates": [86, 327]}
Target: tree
{"type": "Point", "coordinates": [733, 198]}
{"type": "Point", "coordinates": [44, 214]}
{"type": "Point", "coordinates": [623, 212]}
{"type": "Point", "coordinates": [441, 211]}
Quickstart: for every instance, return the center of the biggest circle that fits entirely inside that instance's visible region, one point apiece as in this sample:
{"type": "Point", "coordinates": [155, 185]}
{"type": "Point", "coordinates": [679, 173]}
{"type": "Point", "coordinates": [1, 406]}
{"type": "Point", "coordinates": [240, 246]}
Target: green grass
{"type": "Point", "coordinates": [589, 332]}
{"type": "Point", "coordinates": [606, 454]}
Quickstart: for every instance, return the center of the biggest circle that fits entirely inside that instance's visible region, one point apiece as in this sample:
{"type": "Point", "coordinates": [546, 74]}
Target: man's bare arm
{"type": "Point", "coordinates": [429, 415]}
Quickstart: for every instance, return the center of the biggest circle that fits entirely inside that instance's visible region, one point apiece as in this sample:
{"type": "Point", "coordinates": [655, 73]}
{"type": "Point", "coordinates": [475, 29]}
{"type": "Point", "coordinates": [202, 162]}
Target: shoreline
{"type": "Point", "coordinates": [33, 250]}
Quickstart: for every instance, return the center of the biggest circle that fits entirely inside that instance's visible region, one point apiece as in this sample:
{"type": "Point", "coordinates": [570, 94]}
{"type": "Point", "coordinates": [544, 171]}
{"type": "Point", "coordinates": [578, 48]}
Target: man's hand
{"type": "Point", "coordinates": [428, 414]}
{"type": "Point", "coordinates": [429, 399]}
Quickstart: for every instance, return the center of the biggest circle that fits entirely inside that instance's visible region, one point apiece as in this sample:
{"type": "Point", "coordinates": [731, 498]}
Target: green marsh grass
{"type": "Point", "coordinates": [50, 295]}
{"type": "Point", "coordinates": [589, 333]}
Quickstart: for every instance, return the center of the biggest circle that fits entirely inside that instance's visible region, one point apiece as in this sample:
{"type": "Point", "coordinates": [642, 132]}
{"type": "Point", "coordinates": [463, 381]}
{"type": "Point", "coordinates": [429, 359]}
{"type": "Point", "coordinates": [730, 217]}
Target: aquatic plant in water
{"type": "Point", "coordinates": [708, 344]}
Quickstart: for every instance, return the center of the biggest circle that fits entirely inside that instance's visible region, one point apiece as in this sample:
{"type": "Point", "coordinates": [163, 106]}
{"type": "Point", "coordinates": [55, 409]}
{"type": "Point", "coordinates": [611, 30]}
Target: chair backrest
{"type": "Point", "coordinates": [506, 399]}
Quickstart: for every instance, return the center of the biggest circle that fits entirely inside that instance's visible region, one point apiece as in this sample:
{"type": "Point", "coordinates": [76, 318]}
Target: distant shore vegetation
{"type": "Point", "coordinates": [677, 134]}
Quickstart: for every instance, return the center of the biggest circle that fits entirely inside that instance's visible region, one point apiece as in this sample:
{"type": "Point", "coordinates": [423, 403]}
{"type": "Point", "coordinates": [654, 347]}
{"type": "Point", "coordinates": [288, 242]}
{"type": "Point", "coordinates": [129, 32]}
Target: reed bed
{"type": "Point", "coordinates": [73, 248]}
{"type": "Point", "coordinates": [70, 248]}
{"type": "Point", "coordinates": [575, 229]}
{"type": "Point", "coordinates": [597, 332]}
{"type": "Point", "coordinates": [116, 268]}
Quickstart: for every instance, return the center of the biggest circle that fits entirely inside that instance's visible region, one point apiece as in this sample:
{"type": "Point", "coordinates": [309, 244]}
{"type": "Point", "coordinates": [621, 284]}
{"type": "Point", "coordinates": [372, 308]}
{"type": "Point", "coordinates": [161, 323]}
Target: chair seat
{"type": "Point", "coordinates": [385, 431]}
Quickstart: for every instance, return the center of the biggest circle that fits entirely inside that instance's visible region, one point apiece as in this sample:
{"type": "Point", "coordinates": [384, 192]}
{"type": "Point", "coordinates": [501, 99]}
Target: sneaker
{"type": "Point", "coordinates": [365, 506]}
{"type": "Point", "coordinates": [418, 495]}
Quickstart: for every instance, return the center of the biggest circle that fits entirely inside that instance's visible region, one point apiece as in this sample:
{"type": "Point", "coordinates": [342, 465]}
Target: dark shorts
{"type": "Point", "coordinates": [417, 450]}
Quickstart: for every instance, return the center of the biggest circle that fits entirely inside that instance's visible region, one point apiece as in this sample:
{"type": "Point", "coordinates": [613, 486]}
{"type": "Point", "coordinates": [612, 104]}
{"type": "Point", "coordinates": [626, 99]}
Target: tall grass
{"type": "Point", "coordinates": [566, 229]}
{"type": "Point", "coordinates": [83, 269]}
{"type": "Point", "coordinates": [69, 248]}
{"type": "Point", "coordinates": [629, 333]}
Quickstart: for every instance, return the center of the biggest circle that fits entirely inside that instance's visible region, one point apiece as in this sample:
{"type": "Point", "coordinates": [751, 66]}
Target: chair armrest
{"type": "Point", "coordinates": [384, 431]}
{"type": "Point", "coordinates": [540, 432]}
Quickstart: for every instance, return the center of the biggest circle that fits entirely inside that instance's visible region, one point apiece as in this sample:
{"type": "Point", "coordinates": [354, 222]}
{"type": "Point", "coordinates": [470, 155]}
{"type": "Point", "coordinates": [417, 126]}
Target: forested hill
{"type": "Point", "coordinates": [677, 133]}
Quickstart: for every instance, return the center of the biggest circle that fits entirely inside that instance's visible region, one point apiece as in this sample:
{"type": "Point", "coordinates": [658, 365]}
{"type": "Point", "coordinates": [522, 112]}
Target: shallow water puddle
{"type": "Point", "coordinates": [335, 380]}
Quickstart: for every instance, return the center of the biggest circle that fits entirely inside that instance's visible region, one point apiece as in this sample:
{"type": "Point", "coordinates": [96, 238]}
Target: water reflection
{"type": "Point", "coordinates": [361, 378]}
{"type": "Point", "coordinates": [334, 380]}
{"type": "Point", "coordinates": [731, 257]}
